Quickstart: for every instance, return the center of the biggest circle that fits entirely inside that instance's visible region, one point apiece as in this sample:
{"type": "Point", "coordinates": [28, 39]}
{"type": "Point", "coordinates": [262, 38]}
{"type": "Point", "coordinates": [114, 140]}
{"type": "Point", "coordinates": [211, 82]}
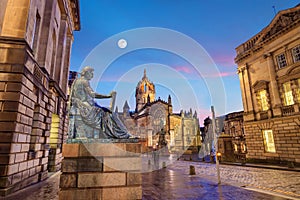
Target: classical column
{"type": "Point", "coordinates": [242, 85]}
{"type": "Point", "coordinates": [248, 94]}
{"type": "Point", "coordinates": [274, 92]}
{"type": "Point", "coordinates": [61, 51]}
{"type": "Point", "coordinates": [66, 62]}
{"type": "Point", "coordinates": [295, 94]}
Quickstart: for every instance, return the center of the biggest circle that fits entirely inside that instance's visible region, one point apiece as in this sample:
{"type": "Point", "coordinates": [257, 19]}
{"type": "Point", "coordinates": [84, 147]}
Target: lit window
{"type": "Point", "coordinates": [288, 94]}
{"type": "Point", "coordinates": [298, 89]}
{"type": "Point", "coordinates": [263, 100]}
{"type": "Point", "coordinates": [281, 61]}
{"type": "Point", "coordinates": [269, 141]}
{"type": "Point", "coordinates": [54, 131]}
{"type": "Point", "coordinates": [296, 54]}
{"type": "Point", "coordinates": [244, 148]}
{"type": "Point", "coordinates": [235, 147]}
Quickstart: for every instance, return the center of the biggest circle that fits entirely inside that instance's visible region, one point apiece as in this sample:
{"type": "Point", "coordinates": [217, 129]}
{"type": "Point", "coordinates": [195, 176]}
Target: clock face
{"type": "Point", "coordinates": [122, 43]}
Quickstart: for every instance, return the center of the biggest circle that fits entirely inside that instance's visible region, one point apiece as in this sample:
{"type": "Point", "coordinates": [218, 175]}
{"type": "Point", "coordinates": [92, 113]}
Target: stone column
{"type": "Point", "coordinates": [242, 85]}
{"type": "Point", "coordinates": [294, 86]}
{"type": "Point", "coordinates": [66, 63]}
{"type": "Point", "coordinates": [274, 92]}
{"type": "Point", "coordinates": [249, 96]}
{"type": "Point", "coordinates": [61, 51]}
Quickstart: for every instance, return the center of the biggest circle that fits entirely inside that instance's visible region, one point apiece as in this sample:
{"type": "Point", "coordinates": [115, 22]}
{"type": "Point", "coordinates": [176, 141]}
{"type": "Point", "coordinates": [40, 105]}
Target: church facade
{"type": "Point", "coordinates": [152, 116]}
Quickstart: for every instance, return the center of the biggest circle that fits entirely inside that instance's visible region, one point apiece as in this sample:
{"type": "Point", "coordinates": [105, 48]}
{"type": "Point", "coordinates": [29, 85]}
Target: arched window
{"type": "Point", "coordinates": [159, 120]}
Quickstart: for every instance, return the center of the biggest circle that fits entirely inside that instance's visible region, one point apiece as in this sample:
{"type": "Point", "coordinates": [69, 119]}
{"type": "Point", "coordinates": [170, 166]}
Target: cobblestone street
{"type": "Point", "coordinates": [174, 182]}
{"type": "Point", "coordinates": [278, 181]}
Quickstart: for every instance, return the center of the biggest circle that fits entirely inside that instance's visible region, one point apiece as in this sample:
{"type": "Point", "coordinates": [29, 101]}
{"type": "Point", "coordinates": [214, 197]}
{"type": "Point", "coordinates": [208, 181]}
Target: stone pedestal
{"type": "Point", "coordinates": [101, 169]}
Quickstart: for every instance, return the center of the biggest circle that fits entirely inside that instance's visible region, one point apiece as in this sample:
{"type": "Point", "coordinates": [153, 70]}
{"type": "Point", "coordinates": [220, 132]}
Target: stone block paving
{"type": "Point", "coordinates": [174, 182]}
{"type": "Point", "coordinates": [278, 181]}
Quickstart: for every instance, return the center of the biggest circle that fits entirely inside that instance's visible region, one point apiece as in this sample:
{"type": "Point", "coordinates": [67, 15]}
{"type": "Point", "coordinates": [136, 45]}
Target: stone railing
{"type": "Point", "coordinates": [264, 115]}
{"type": "Point", "coordinates": [287, 110]}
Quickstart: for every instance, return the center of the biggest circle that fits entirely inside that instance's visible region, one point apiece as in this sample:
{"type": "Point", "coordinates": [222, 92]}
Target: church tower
{"type": "Point", "coordinates": [145, 92]}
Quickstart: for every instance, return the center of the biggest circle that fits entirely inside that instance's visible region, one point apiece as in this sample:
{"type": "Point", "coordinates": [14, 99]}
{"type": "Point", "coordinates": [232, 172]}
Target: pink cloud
{"type": "Point", "coordinates": [225, 60]}
{"type": "Point", "coordinates": [202, 114]}
{"type": "Point", "coordinates": [221, 74]}
{"type": "Point", "coordinates": [184, 69]}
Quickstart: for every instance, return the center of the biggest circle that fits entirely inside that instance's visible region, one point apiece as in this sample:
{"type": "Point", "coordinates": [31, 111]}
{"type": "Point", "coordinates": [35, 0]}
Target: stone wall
{"type": "Point", "coordinates": [30, 94]}
{"type": "Point", "coordinates": [25, 118]}
{"type": "Point", "coordinates": [101, 171]}
{"type": "Point", "coordinates": [286, 133]}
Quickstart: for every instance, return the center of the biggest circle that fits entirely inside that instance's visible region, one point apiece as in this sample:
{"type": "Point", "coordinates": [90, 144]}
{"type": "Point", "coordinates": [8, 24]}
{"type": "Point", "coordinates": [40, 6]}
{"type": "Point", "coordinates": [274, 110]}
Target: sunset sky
{"type": "Point", "coordinates": [187, 48]}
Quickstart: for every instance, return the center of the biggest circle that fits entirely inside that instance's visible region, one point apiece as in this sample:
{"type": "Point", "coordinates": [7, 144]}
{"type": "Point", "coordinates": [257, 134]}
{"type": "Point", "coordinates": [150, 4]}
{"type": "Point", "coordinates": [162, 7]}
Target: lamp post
{"type": "Point", "coordinates": [215, 143]}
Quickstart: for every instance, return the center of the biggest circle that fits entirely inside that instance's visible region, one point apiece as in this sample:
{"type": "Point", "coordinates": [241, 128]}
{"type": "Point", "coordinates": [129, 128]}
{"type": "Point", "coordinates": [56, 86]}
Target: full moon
{"type": "Point", "coordinates": [122, 43]}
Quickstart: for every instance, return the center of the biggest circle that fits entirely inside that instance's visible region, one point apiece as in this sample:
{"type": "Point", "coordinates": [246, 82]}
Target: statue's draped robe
{"type": "Point", "coordinates": [102, 119]}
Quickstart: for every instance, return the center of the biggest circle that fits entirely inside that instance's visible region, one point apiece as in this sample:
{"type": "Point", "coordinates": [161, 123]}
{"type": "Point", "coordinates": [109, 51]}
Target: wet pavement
{"type": "Point", "coordinates": [170, 184]}
{"type": "Point", "coordinates": [174, 182]}
{"type": "Point", "coordinates": [45, 190]}
{"type": "Point", "coordinates": [280, 182]}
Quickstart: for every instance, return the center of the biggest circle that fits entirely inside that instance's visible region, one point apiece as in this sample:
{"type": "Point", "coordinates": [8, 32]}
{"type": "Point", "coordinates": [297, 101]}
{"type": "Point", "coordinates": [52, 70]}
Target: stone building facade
{"type": "Point", "coordinates": [35, 42]}
{"type": "Point", "coordinates": [269, 73]}
{"type": "Point", "coordinates": [232, 143]}
{"type": "Point", "coordinates": [150, 116]}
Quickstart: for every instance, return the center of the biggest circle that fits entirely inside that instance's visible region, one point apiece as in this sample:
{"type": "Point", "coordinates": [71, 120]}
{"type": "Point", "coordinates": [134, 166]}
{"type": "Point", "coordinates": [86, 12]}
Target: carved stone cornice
{"type": "Point", "coordinates": [284, 21]}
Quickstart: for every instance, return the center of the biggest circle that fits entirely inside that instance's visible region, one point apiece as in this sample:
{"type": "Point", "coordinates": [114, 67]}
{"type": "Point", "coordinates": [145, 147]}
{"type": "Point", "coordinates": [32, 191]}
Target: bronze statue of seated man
{"type": "Point", "coordinates": [87, 118]}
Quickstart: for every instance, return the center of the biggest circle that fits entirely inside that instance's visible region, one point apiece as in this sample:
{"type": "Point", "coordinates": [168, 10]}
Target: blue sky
{"type": "Point", "coordinates": [217, 26]}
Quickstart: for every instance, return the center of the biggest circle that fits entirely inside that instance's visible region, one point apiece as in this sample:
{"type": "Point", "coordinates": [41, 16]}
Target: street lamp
{"type": "Point", "coordinates": [219, 156]}
{"type": "Point", "coordinates": [215, 143]}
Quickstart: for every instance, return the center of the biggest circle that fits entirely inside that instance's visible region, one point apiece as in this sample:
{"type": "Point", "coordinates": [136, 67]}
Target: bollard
{"type": "Point", "coordinates": [192, 170]}
{"type": "Point", "coordinates": [164, 165]}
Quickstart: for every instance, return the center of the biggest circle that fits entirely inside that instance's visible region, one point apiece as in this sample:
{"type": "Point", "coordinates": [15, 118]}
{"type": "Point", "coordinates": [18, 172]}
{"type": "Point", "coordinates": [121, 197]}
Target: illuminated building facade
{"type": "Point", "coordinates": [35, 42]}
{"type": "Point", "coordinates": [269, 73]}
{"type": "Point", "coordinates": [150, 116]}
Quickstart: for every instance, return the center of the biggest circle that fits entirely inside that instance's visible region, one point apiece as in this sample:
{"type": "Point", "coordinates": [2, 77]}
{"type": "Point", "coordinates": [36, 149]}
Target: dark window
{"type": "Point", "coordinates": [281, 60]}
{"type": "Point", "coordinates": [296, 54]}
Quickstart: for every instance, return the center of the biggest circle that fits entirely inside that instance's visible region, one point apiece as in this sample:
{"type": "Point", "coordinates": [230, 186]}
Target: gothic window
{"type": "Point", "coordinates": [269, 141]}
{"type": "Point", "coordinates": [263, 98]}
{"type": "Point", "coordinates": [296, 53]}
{"type": "Point", "coordinates": [288, 94]}
{"type": "Point", "coordinates": [281, 61]}
{"type": "Point", "coordinates": [159, 121]}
